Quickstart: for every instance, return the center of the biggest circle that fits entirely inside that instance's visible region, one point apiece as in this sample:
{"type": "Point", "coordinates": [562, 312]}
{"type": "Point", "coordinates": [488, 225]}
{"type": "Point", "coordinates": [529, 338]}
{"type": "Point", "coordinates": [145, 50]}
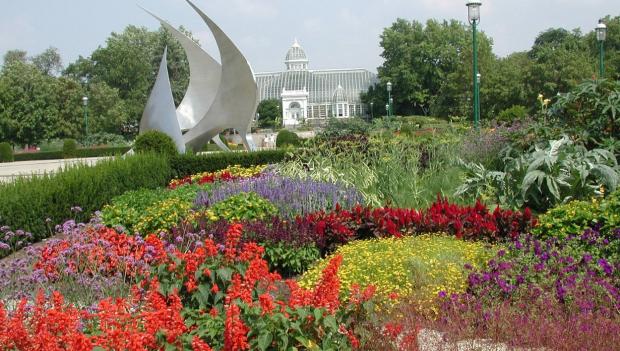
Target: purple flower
{"type": "Point", "coordinates": [607, 268]}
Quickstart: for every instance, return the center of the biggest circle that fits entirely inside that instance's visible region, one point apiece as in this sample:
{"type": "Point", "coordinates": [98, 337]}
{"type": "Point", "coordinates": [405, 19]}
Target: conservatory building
{"type": "Point", "coordinates": [313, 96]}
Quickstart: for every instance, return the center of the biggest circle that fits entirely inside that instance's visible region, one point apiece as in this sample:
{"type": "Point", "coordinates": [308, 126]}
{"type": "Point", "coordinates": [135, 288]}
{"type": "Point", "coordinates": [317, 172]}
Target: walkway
{"type": "Point", "coordinates": [13, 170]}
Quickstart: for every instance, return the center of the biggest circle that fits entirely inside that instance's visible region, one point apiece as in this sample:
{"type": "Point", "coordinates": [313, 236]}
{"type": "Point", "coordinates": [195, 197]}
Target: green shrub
{"type": "Point", "coordinates": [514, 113]}
{"type": "Point", "coordinates": [69, 148]}
{"type": "Point", "coordinates": [155, 141]}
{"type": "Point", "coordinates": [244, 206]}
{"type": "Point", "coordinates": [287, 138]}
{"type": "Point", "coordinates": [27, 203]}
{"type": "Point", "coordinates": [186, 164]}
{"type": "Point", "coordinates": [288, 260]}
{"type": "Point", "coordinates": [131, 209]}
{"type": "Point", "coordinates": [6, 152]}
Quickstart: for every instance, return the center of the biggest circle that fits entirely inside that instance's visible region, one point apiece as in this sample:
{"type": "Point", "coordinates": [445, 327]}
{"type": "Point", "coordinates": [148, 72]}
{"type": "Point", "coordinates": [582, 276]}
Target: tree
{"type": "Point", "coordinates": [28, 98]}
{"type": "Point", "coordinates": [15, 56]}
{"type": "Point", "coordinates": [129, 63]}
{"type": "Point", "coordinates": [560, 61]}
{"type": "Point", "coordinates": [612, 47]}
{"type": "Point", "coordinates": [48, 62]}
{"type": "Point", "coordinates": [429, 67]}
{"type": "Point", "coordinates": [269, 111]}
{"type": "Point", "coordinates": [504, 86]}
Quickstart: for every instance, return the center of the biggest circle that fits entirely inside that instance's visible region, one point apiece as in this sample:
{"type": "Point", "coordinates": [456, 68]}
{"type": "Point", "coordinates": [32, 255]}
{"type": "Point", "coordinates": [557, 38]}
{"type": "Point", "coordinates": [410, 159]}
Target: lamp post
{"type": "Point", "coordinates": [389, 89]}
{"type": "Point", "coordinates": [85, 102]}
{"type": "Point", "coordinates": [387, 109]}
{"type": "Point", "coordinates": [372, 114]}
{"type": "Point", "coordinates": [601, 35]}
{"type": "Point", "coordinates": [473, 15]}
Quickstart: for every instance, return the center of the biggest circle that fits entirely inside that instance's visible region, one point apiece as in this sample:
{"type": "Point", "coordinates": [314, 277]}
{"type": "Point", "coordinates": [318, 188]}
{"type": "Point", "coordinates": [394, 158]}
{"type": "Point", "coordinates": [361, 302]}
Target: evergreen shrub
{"type": "Point", "coordinates": [287, 138]}
{"type": "Point", "coordinates": [6, 152]}
{"type": "Point", "coordinates": [155, 141]}
{"type": "Point", "coordinates": [69, 148]}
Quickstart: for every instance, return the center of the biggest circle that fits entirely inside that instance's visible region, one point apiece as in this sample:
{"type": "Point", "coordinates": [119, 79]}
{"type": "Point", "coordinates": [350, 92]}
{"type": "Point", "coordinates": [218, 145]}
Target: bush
{"type": "Point", "coordinates": [186, 164]}
{"type": "Point", "coordinates": [243, 207]}
{"type": "Point", "coordinates": [69, 148]}
{"type": "Point", "coordinates": [6, 153]}
{"type": "Point", "coordinates": [512, 114]}
{"type": "Point", "coordinates": [418, 267]}
{"type": "Point", "coordinates": [287, 138]}
{"type": "Point", "coordinates": [31, 204]}
{"type": "Point", "coordinates": [155, 141]}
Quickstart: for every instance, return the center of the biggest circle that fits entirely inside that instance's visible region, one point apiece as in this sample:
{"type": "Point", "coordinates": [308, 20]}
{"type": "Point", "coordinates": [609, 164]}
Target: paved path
{"type": "Point", "coordinates": [12, 170]}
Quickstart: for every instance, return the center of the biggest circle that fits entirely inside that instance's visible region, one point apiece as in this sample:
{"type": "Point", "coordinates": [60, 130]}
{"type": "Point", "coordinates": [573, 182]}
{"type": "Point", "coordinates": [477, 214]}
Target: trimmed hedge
{"type": "Point", "coordinates": [187, 164]}
{"type": "Point", "coordinates": [69, 148]}
{"type": "Point", "coordinates": [81, 153]}
{"type": "Point", "coordinates": [6, 152]}
{"type": "Point", "coordinates": [27, 203]}
{"type": "Point", "coordinates": [155, 141]}
{"type": "Point", "coordinates": [287, 138]}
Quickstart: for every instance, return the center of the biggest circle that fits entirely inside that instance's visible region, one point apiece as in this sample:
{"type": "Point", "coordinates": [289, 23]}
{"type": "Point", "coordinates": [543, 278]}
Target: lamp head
{"type": "Point", "coordinates": [473, 10]}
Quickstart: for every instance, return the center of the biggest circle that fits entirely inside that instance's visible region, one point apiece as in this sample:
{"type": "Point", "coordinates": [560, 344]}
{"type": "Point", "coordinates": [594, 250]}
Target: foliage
{"type": "Point", "coordinates": [338, 128]}
{"type": "Point", "coordinates": [104, 138]}
{"type": "Point", "coordinates": [156, 142]}
{"type": "Point", "coordinates": [287, 138]}
{"type": "Point", "coordinates": [27, 203]}
{"type": "Point", "coordinates": [69, 148]}
{"type": "Point", "coordinates": [572, 219]}
{"type": "Point", "coordinates": [269, 111]}
{"type": "Point", "coordinates": [290, 260]}
{"type": "Point", "coordinates": [186, 165]}
{"type": "Point", "coordinates": [6, 152]}
{"type": "Point", "coordinates": [428, 66]}
{"type": "Point", "coordinates": [243, 206]}
{"type": "Point", "coordinates": [399, 171]}
{"type": "Point", "coordinates": [545, 177]}
{"type": "Point", "coordinates": [591, 110]}
{"type": "Point", "coordinates": [149, 210]}
{"type": "Point", "coordinates": [512, 114]}
{"type": "Point", "coordinates": [413, 267]}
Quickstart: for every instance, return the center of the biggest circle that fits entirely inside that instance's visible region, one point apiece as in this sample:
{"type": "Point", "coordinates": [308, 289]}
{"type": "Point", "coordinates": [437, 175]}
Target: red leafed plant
{"type": "Point", "coordinates": [465, 222]}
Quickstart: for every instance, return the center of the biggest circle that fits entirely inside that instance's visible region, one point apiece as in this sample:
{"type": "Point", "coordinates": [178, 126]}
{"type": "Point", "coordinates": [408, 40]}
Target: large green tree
{"type": "Point", "coordinates": [429, 67]}
{"type": "Point", "coordinates": [129, 63]}
{"type": "Point", "coordinates": [269, 112]}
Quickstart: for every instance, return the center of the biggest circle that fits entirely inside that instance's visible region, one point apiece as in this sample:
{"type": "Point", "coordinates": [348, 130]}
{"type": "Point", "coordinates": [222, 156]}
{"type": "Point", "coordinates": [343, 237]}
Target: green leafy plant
{"type": "Point", "coordinates": [287, 138]}
{"type": "Point", "coordinates": [558, 173]}
{"type": "Point", "coordinates": [512, 114]}
{"type": "Point", "coordinates": [289, 260]}
{"type": "Point", "coordinates": [69, 148]}
{"type": "Point", "coordinates": [6, 152]}
{"type": "Point", "coordinates": [155, 141]}
{"type": "Point", "coordinates": [244, 206]}
{"type": "Point", "coordinates": [591, 110]}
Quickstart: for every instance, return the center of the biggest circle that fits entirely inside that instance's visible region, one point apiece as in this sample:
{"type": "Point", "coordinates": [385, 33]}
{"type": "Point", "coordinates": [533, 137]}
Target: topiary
{"type": "Point", "coordinates": [69, 148]}
{"type": "Point", "coordinates": [6, 152]}
{"type": "Point", "coordinates": [514, 113]}
{"type": "Point", "coordinates": [287, 138]}
{"type": "Point", "coordinates": [155, 141]}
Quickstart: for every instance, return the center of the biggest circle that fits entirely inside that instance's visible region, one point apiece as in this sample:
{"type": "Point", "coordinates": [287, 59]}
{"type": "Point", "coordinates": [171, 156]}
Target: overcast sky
{"type": "Point", "coordinates": [334, 33]}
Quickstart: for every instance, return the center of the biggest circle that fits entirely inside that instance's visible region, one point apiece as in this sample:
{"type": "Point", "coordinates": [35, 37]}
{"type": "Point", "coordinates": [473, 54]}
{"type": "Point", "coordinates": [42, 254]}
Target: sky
{"type": "Point", "coordinates": [334, 33]}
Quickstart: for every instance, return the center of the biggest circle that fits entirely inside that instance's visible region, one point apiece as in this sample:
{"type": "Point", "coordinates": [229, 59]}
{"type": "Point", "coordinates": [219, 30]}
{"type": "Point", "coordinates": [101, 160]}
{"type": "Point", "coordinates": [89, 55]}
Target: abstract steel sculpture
{"type": "Point", "coordinates": [159, 113]}
{"type": "Point", "coordinates": [218, 97]}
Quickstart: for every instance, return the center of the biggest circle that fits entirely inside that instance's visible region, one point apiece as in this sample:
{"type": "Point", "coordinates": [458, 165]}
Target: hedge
{"type": "Point", "coordinates": [81, 153]}
{"type": "Point", "coordinates": [28, 202]}
{"type": "Point", "coordinates": [6, 152]}
{"type": "Point", "coordinates": [187, 164]}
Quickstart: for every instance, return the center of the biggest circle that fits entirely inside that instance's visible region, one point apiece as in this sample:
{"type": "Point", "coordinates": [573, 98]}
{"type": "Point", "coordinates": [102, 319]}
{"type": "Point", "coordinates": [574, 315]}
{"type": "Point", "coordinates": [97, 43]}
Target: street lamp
{"type": "Point", "coordinates": [601, 35]}
{"type": "Point", "coordinates": [387, 109]}
{"type": "Point", "coordinates": [389, 89]}
{"type": "Point", "coordinates": [473, 15]}
{"type": "Point", "coordinates": [372, 114]}
{"type": "Point", "coordinates": [85, 102]}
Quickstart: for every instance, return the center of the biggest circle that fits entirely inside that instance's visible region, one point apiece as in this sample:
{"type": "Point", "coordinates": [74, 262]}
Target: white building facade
{"type": "Point", "coordinates": [309, 96]}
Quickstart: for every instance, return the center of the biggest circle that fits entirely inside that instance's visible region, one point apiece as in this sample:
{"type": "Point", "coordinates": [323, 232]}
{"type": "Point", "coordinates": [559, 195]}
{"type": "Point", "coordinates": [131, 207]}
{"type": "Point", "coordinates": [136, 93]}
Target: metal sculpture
{"type": "Point", "coordinates": [159, 113]}
{"type": "Point", "coordinates": [219, 97]}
